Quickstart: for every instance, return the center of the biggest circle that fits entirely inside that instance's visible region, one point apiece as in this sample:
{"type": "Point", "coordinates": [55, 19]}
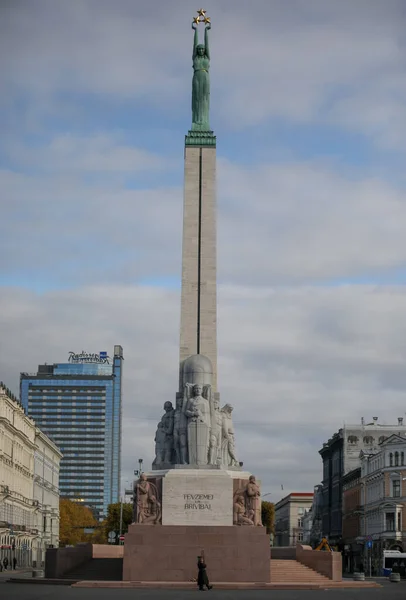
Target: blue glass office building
{"type": "Point", "coordinates": [78, 404]}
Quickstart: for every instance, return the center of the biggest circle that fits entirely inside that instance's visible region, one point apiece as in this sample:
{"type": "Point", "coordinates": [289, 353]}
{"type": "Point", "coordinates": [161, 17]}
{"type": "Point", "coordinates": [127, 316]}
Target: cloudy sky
{"type": "Point", "coordinates": [308, 102]}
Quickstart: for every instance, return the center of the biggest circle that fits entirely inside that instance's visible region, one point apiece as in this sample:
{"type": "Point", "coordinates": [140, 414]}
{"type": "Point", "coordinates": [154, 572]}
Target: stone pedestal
{"type": "Point", "coordinates": [169, 553]}
{"type": "Point", "coordinates": [197, 497]}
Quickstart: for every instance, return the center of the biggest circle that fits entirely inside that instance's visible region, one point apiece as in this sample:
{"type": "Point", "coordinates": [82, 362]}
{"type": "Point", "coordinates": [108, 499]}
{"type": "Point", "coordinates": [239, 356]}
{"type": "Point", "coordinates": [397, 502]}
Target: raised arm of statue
{"type": "Point", "coordinates": [206, 41]}
{"type": "Point", "coordinates": [195, 41]}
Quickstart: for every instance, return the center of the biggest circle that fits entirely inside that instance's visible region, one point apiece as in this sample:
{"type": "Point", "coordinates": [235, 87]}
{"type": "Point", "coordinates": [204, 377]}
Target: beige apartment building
{"type": "Point", "coordinates": [289, 513]}
{"type": "Point", "coordinates": [29, 485]}
{"type": "Point", "coordinates": [383, 500]}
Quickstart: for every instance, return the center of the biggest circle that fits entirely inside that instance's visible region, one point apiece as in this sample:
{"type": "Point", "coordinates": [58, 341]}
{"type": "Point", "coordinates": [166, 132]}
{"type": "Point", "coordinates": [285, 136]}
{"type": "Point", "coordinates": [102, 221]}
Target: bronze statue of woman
{"type": "Point", "coordinates": [201, 81]}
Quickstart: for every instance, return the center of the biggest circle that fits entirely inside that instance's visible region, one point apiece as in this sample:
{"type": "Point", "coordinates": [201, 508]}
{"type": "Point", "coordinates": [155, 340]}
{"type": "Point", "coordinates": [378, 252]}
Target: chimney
{"type": "Point", "coordinates": [400, 420]}
{"type": "Point", "coordinates": [375, 419]}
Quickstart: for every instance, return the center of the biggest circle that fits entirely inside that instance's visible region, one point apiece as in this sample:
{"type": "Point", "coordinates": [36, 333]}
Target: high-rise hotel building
{"type": "Point", "coordinates": [78, 404]}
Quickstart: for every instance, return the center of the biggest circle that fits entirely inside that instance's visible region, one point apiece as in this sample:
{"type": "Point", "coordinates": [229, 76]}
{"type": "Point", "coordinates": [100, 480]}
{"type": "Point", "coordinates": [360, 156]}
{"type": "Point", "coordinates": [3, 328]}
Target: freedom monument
{"type": "Point", "coordinates": [197, 499]}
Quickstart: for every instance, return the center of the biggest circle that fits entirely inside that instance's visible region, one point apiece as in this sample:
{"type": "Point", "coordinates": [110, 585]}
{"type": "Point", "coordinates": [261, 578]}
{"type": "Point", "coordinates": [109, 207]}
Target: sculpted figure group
{"type": "Point", "coordinates": [196, 432]}
{"type": "Point", "coordinates": [146, 506]}
{"type": "Point", "coordinates": [247, 504]}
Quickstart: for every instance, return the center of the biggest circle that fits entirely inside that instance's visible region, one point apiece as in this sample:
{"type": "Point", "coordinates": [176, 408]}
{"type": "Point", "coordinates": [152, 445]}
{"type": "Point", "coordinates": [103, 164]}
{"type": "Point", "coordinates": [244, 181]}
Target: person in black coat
{"type": "Point", "coordinates": [202, 578]}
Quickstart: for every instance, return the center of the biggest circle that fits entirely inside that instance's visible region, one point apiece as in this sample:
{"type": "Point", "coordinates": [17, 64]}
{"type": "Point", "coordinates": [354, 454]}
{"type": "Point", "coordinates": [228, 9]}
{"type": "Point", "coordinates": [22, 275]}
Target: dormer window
{"type": "Point", "coordinates": [391, 459]}
{"type": "Point", "coordinates": [396, 459]}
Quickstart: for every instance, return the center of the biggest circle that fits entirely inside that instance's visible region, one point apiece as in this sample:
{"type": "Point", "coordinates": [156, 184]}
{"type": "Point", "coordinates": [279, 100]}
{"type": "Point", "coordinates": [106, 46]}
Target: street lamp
{"type": "Point", "coordinates": [139, 471]}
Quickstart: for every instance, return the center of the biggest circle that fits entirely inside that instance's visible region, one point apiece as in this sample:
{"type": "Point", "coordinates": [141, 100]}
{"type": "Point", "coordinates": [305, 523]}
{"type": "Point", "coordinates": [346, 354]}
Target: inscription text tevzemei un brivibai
{"type": "Point", "coordinates": [198, 501]}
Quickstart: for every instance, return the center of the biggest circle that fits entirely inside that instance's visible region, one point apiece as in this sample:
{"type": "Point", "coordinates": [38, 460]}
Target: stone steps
{"type": "Point", "coordinates": [292, 571]}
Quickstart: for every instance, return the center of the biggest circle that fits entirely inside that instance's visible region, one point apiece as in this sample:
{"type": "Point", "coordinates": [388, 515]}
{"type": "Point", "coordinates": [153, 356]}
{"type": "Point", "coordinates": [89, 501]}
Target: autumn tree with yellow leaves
{"type": "Point", "coordinates": [74, 518]}
{"type": "Point", "coordinates": [268, 516]}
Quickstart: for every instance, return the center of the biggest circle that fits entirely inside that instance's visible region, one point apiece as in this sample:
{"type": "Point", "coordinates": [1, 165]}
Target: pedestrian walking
{"type": "Point", "coordinates": [5, 563]}
{"type": "Point", "coordinates": [14, 563]}
{"type": "Point", "coordinates": [202, 577]}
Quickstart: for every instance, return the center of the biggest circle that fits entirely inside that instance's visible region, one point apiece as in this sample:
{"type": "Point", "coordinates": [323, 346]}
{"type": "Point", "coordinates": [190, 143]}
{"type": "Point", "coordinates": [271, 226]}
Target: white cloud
{"type": "Point", "coordinates": [318, 63]}
{"type": "Point", "coordinates": [103, 153]}
{"type": "Point", "coordinates": [295, 363]}
{"type": "Point", "coordinates": [285, 223]}
{"type": "Point", "coordinates": [305, 221]}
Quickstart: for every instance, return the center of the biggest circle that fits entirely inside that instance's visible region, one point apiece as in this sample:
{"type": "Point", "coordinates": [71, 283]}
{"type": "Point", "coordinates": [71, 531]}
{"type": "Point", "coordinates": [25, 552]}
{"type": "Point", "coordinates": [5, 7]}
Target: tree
{"type": "Point", "coordinates": [112, 523]}
{"type": "Point", "coordinates": [268, 516]}
{"type": "Point", "coordinates": [74, 518]}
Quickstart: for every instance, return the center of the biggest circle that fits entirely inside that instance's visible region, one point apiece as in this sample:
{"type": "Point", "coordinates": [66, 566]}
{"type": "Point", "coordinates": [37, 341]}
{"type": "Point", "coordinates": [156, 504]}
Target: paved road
{"type": "Point", "coordinates": [14, 591]}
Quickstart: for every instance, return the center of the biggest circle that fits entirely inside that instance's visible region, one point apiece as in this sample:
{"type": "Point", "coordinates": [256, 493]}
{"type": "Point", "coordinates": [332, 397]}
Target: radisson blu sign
{"type": "Point", "coordinates": [84, 357]}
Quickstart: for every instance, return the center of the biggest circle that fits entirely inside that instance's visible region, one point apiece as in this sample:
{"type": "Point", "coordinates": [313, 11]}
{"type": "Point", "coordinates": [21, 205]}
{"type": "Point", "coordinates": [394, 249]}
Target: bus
{"type": "Point", "coordinates": [394, 561]}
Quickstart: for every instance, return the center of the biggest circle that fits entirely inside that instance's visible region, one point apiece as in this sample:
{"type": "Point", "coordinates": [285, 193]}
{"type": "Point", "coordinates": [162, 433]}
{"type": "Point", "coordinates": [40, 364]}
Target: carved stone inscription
{"type": "Point", "coordinates": [198, 501]}
{"type": "Point", "coordinates": [197, 497]}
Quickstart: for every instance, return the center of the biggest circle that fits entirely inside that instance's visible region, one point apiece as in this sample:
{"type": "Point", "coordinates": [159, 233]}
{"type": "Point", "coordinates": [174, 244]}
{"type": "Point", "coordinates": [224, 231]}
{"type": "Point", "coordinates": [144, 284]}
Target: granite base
{"type": "Point", "coordinates": [169, 553]}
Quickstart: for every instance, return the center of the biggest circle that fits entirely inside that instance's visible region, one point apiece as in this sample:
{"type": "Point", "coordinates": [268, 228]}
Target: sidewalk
{"type": "Point", "coordinates": [23, 572]}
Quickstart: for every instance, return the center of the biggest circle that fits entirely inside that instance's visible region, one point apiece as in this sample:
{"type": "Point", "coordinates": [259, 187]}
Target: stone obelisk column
{"type": "Point", "coordinates": [198, 328]}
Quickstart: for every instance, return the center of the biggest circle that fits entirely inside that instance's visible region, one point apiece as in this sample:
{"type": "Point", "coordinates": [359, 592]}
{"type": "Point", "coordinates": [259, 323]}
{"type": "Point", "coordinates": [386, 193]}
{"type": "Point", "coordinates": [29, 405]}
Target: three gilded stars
{"type": "Point", "coordinates": [201, 17]}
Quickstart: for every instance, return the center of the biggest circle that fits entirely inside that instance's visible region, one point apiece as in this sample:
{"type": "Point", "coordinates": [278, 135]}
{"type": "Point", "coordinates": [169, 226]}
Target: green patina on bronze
{"type": "Point", "coordinates": [200, 133]}
{"type": "Point", "coordinates": [200, 138]}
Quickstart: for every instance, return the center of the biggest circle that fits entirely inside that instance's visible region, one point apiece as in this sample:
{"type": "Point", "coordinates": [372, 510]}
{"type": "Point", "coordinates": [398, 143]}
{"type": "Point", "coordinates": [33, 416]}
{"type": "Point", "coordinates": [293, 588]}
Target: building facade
{"type": "Point", "coordinates": [340, 455]}
{"type": "Point", "coordinates": [23, 530]}
{"type": "Point", "coordinates": [383, 498]}
{"type": "Point", "coordinates": [47, 458]}
{"type": "Point", "coordinates": [312, 533]}
{"type": "Point", "coordinates": [352, 520]}
{"type": "Point", "coordinates": [289, 514]}
{"type": "Point", "coordinates": [78, 404]}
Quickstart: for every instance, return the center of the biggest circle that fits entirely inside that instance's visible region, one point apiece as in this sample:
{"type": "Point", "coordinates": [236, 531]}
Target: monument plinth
{"type": "Point", "coordinates": [197, 498]}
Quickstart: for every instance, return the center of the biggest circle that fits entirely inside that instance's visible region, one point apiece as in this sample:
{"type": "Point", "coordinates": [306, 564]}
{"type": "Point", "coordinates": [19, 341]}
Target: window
{"type": "Point", "coordinates": [402, 458]}
{"type": "Point", "coordinates": [300, 537]}
{"type": "Point", "coordinates": [399, 522]}
{"type": "Point", "coordinates": [390, 521]}
{"type": "Point", "coordinates": [396, 488]}
{"type": "Point", "coordinates": [300, 522]}
{"type": "Point", "coordinates": [396, 459]}
{"type": "Point", "coordinates": [300, 510]}
{"type": "Point", "coordinates": [391, 459]}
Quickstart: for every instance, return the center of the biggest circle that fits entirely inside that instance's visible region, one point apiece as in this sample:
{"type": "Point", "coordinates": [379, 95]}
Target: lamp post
{"type": "Point", "coordinates": [139, 470]}
{"type": "Point", "coordinates": [126, 492]}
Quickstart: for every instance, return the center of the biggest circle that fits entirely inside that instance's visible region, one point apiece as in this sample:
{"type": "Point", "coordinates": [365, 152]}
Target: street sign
{"type": "Point", "coordinates": [369, 543]}
{"type": "Point", "coordinates": [121, 538]}
{"type": "Point", "coordinates": [112, 536]}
